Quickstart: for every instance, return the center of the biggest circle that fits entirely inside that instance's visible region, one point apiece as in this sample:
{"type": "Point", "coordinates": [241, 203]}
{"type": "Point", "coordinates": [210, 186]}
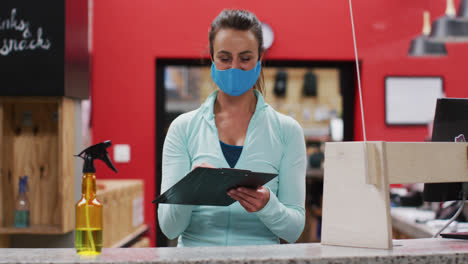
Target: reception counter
{"type": "Point", "coordinates": [404, 251]}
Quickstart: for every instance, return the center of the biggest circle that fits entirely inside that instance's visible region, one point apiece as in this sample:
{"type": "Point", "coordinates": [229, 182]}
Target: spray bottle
{"type": "Point", "coordinates": [22, 204]}
{"type": "Point", "coordinates": [88, 222]}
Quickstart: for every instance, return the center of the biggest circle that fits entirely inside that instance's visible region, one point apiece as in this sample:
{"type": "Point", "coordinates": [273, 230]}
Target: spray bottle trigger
{"type": "Point", "coordinates": [109, 163]}
{"type": "Point", "coordinates": [98, 151]}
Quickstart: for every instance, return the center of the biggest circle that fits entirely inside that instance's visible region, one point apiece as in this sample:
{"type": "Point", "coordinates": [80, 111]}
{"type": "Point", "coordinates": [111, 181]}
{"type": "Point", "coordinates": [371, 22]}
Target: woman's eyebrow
{"type": "Point", "coordinates": [229, 53]}
{"type": "Point", "coordinates": [245, 52]}
{"type": "Point", "coordinates": [224, 52]}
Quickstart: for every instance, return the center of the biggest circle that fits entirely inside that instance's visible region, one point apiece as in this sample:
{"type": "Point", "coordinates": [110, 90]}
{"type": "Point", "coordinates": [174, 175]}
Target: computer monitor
{"type": "Point", "coordinates": [450, 120]}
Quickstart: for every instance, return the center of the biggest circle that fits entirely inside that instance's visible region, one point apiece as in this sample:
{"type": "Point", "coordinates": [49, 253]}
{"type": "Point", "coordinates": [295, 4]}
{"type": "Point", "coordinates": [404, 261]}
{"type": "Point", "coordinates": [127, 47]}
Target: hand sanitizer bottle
{"type": "Point", "coordinates": [22, 204]}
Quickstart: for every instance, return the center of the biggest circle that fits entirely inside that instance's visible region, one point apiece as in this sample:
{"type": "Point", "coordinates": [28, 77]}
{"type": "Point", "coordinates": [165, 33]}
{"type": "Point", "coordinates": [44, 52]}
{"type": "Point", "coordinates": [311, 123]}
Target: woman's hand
{"type": "Point", "coordinates": [252, 200]}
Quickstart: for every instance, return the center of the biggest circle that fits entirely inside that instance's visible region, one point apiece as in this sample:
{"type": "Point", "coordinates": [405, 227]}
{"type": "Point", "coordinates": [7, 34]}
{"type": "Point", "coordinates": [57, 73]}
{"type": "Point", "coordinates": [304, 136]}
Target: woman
{"type": "Point", "coordinates": [236, 128]}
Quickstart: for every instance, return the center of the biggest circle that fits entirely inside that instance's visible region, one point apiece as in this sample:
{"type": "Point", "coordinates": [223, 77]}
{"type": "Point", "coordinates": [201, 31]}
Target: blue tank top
{"type": "Point", "coordinates": [231, 153]}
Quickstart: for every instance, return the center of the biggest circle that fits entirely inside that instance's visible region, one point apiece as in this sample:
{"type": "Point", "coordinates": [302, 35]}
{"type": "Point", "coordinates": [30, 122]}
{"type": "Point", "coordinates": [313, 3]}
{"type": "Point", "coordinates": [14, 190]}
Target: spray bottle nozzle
{"type": "Point", "coordinates": [98, 151]}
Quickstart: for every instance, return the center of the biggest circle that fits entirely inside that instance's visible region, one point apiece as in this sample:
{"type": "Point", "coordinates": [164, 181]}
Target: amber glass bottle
{"type": "Point", "coordinates": [88, 210]}
{"type": "Point", "coordinates": [88, 232]}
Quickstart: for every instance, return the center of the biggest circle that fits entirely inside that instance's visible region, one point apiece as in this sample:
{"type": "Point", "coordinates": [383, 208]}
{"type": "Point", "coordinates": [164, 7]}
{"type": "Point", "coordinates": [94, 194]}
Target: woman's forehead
{"type": "Point", "coordinates": [235, 41]}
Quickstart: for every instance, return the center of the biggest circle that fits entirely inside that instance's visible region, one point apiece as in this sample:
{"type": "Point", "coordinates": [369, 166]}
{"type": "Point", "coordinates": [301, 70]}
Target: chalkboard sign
{"type": "Point", "coordinates": [32, 49]}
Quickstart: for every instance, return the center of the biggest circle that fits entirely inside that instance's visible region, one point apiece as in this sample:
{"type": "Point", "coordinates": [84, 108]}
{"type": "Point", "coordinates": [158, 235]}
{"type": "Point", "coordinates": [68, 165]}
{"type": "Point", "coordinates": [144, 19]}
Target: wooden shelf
{"type": "Point", "coordinates": [37, 140]}
{"type": "Point", "coordinates": [314, 174]}
{"type": "Point", "coordinates": [34, 229]}
{"type": "Point", "coordinates": [141, 230]}
{"type": "Point", "coordinates": [324, 138]}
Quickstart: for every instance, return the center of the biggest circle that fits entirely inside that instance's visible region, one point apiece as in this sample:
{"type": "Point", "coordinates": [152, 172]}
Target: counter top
{"type": "Point", "coordinates": [413, 222]}
{"type": "Point", "coordinates": [404, 251]}
{"type": "Point", "coordinates": [419, 223]}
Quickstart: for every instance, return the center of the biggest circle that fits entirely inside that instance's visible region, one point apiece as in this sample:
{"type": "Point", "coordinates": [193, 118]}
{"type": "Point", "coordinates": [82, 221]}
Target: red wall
{"type": "Point", "coordinates": [129, 35]}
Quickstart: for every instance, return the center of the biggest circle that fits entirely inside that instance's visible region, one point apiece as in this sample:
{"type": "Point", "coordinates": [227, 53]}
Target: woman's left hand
{"type": "Point", "coordinates": [252, 200]}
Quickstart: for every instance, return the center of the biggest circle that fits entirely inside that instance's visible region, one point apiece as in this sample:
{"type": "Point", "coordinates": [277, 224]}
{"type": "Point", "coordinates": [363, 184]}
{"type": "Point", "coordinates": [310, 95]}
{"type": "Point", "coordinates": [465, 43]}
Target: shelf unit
{"type": "Point", "coordinates": [38, 229]}
{"type": "Point", "coordinates": [37, 140]}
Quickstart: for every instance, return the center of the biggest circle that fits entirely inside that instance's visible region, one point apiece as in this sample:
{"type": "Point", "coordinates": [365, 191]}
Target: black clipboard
{"type": "Point", "coordinates": [209, 186]}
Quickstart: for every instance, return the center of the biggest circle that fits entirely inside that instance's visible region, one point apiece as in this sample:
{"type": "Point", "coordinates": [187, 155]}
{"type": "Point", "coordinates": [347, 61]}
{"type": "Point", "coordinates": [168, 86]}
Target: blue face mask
{"type": "Point", "coordinates": [235, 82]}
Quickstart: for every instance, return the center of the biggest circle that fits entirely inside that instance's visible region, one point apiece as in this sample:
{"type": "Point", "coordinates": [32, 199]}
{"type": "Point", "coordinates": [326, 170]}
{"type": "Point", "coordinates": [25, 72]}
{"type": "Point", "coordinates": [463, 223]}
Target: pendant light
{"type": "Point", "coordinates": [451, 28]}
{"type": "Point", "coordinates": [424, 45]}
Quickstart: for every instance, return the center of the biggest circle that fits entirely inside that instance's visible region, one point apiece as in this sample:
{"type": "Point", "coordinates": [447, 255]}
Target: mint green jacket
{"type": "Point", "coordinates": [274, 144]}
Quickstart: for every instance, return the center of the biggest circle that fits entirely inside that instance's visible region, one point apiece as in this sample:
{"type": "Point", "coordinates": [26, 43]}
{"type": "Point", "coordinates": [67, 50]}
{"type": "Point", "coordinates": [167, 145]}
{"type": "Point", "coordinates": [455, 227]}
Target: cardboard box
{"type": "Point", "coordinates": [123, 210]}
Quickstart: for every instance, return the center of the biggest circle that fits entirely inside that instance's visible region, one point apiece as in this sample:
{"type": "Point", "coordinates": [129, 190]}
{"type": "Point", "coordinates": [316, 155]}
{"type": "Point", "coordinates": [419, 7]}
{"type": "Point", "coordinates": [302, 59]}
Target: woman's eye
{"type": "Point", "coordinates": [245, 59]}
{"type": "Point", "coordinates": [224, 59]}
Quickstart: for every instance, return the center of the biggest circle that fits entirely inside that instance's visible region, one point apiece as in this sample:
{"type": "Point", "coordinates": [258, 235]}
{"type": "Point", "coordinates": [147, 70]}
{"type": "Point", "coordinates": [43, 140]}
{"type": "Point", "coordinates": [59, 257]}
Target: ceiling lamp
{"type": "Point", "coordinates": [424, 45]}
{"type": "Point", "coordinates": [451, 28]}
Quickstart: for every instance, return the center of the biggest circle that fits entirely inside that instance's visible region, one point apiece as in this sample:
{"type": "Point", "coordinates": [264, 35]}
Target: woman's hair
{"type": "Point", "coordinates": [239, 20]}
